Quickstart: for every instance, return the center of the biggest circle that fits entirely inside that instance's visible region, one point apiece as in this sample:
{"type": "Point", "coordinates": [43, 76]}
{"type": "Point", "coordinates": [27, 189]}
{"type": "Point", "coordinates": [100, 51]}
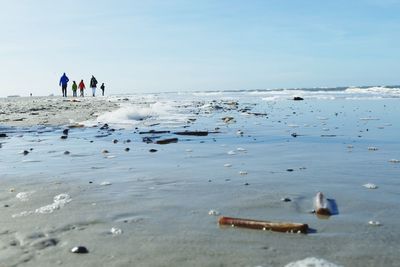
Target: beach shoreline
{"type": "Point", "coordinates": [52, 111]}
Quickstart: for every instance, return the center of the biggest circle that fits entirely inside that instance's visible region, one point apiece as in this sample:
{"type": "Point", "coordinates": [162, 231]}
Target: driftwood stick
{"type": "Point", "coordinates": [265, 225]}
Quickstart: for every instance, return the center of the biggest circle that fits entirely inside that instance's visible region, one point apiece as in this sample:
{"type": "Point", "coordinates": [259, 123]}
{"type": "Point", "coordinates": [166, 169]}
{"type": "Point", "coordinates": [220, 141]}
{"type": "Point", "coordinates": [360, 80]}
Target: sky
{"type": "Point", "coordinates": [136, 46]}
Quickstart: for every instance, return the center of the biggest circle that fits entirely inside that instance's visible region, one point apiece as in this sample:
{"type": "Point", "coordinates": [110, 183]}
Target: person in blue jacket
{"type": "Point", "coordinates": [64, 83]}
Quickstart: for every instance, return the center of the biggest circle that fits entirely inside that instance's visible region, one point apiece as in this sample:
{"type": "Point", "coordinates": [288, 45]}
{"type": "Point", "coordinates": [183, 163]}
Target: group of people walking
{"type": "Point", "coordinates": [93, 85]}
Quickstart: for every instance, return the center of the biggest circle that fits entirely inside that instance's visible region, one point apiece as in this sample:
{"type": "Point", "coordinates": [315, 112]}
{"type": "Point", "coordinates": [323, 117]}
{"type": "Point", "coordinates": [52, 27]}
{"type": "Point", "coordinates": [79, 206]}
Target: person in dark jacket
{"type": "Point", "coordinates": [102, 87]}
{"type": "Point", "coordinates": [93, 85]}
{"type": "Point", "coordinates": [64, 83]}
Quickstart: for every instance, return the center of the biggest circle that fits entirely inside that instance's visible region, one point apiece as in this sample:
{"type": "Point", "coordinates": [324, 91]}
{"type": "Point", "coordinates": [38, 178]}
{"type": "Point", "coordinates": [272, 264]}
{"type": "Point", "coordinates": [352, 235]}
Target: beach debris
{"type": "Point", "coordinates": [322, 205]}
{"type": "Point", "coordinates": [105, 151]}
{"type": "Point", "coordinates": [370, 186]}
{"type": "Point", "coordinates": [246, 184]}
{"type": "Point", "coordinates": [264, 225]}
{"type": "Point", "coordinates": [167, 141]}
{"type": "Point", "coordinates": [12, 190]}
{"type": "Point", "coordinates": [116, 231]}
{"type": "Point", "coordinates": [115, 141]}
{"type": "Point", "coordinates": [394, 160]}
{"type": "Point", "coordinates": [24, 196]}
{"type": "Point", "coordinates": [104, 127]}
{"type": "Point", "coordinates": [241, 149]}
{"type": "Point", "coordinates": [195, 133]}
{"type": "Point", "coordinates": [153, 150]}
{"type": "Point", "coordinates": [374, 223]}
{"type": "Point", "coordinates": [79, 250]}
{"type": "Point", "coordinates": [66, 152]}
{"type": "Point", "coordinates": [289, 170]}
{"type": "Point", "coordinates": [155, 132]}
{"type": "Point", "coordinates": [239, 132]}
{"type": "Point", "coordinates": [372, 148]}
{"type": "Point", "coordinates": [64, 136]}
{"type": "Point", "coordinates": [65, 131]}
{"type": "Point", "coordinates": [312, 262]}
{"type": "Point", "coordinates": [105, 183]}
{"type": "Point", "coordinates": [243, 173]}
{"type": "Point", "coordinates": [294, 134]}
{"type": "Point", "coordinates": [213, 213]}
{"type": "Point", "coordinates": [298, 98]}
{"type": "Point", "coordinates": [3, 135]}
{"type": "Point", "coordinates": [127, 149]}
{"type": "Point", "coordinates": [147, 140]}
{"type": "Point", "coordinates": [231, 152]}
{"type": "Point", "coordinates": [227, 165]}
{"type": "Point", "coordinates": [228, 119]}
{"type": "Point", "coordinates": [286, 199]}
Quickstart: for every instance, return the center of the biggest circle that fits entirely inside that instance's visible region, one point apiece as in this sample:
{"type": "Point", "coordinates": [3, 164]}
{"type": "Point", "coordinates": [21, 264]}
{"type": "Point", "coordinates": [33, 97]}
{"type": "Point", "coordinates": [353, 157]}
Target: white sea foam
{"type": "Point", "coordinates": [59, 202]}
{"type": "Point", "coordinates": [312, 261]}
{"type": "Point", "coordinates": [24, 196]}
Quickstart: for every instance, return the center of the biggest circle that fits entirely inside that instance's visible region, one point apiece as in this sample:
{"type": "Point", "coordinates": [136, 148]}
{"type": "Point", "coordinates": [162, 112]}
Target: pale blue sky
{"type": "Point", "coordinates": [160, 45]}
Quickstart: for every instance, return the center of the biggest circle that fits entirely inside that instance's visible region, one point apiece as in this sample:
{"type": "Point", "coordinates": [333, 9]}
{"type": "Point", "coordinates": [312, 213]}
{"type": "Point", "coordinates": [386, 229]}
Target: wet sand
{"type": "Point", "coordinates": [158, 203]}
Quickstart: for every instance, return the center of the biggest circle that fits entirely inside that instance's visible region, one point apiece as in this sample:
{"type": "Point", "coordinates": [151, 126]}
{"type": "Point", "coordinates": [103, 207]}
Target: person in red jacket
{"type": "Point", "coordinates": [81, 87]}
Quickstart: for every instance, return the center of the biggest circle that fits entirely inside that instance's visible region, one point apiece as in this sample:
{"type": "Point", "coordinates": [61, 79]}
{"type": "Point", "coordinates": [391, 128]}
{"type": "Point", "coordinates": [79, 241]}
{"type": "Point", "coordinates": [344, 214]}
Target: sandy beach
{"type": "Point", "coordinates": [111, 187]}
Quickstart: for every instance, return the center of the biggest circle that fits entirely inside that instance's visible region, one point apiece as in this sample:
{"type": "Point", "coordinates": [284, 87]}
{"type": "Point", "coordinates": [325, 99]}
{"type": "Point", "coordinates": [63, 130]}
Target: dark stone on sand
{"type": "Point", "coordinates": [65, 131]}
{"type": "Point", "coordinates": [289, 170]}
{"type": "Point", "coordinates": [128, 141]}
{"type": "Point", "coordinates": [153, 150]}
{"type": "Point", "coordinates": [64, 136]}
{"type": "Point", "coordinates": [104, 127]}
{"type": "Point", "coordinates": [79, 250]}
{"type": "Point", "coordinates": [194, 133]}
{"type": "Point", "coordinates": [90, 182]}
{"type": "Point", "coordinates": [294, 134]}
{"type": "Point", "coordinates": [127, 149]}
{"type": "Point", "coordinates": [25, 152]}
{"type": "Point", "coordinates": [298, 98]}
{"type": "Point", "coordinates": [6, 206]}
{"type": "Point", "coordinates": [246, 184]}
{"type": "Point", "coordinates": [286, 199]}
{"type": "Point", "coordinates": [101, 135]}
{"type": "Point", "coordinates": [66, 152]}
{"type": "Point", "coordinates": [3, 135]}
{"type": "Point", "coordinates": [167, 141]}
{"type": "Point", "coordinates": [115, 141]}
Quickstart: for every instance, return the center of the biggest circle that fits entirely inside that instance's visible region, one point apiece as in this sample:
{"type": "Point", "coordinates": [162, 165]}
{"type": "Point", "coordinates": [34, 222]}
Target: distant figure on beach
{"type": "Point", "coordinates": [93, 85]}
{"type": "Point", "coordinates": [102, 87]}
{"type": "Point", "coordinates": [74, 88]}
{"type": "Point", "coordinates": [64, 83]}
{"type": "Point", "coordinates": [81, 87]}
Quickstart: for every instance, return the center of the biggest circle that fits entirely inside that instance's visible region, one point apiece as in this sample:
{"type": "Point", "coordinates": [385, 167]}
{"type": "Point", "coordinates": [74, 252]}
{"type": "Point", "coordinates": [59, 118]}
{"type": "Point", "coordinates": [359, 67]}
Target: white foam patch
{"type": "Point", "coordinates": [59, 202]}
{"type": "Point", "coordinates": [312, 262]}
{"type": "Point", "coordinates": [24, 196]}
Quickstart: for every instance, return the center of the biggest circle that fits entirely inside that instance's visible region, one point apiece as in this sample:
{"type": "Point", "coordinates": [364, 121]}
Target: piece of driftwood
{"type": "Point", "coordinates": [322, 205]}
{"type": "Point", "coordinates": [265, 225]}
{"type": "Point", "coordinates": [196, 133]}
{"type": "Point", "coordinates": [167, 141]}
{"type": "Point", "coordinates": [154, 132]}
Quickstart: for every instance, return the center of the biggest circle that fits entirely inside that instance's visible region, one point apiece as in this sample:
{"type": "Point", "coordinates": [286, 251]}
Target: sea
{"type": "Point", "coordinates": [162, 168]}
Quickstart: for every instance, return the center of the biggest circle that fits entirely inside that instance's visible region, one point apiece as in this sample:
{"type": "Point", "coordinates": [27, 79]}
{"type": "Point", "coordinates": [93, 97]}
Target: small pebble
{"type": "Point", "coordinates": [246, 184]}
{"type": "Point", "coordinates": [213, 212]}
{"type": "Point", "coordinates": [374, 223]}
{"type": "Point", "coordinates": [115, 141]}
{"type": "Point", "coordinates": [286, 199]}
{"type": "Point", "coordinates": [105, 183]}
{"type": "Point", "coordinates": [370, 186]}
{"type": "Point", "coordinates": [25, 152]}
{"type": "Point", "coordinates": [64, 136]}
{"type": "Point", "coordinates": [127, 149]}
{"type": "Point", "coordinates": [116, 231]}
{"type": "Point", "coordinates": [105, 151]}
{"type": "Point", "coordinates": [79, 250]}
{"type": "Point", "coordinates": [153, 150]}
{"type": "Point", "coordinates": [66, 152]}
{"type": "Point", "coordinates": [289, 170]}
{"type": "Point", "coordinates": [128, 141]}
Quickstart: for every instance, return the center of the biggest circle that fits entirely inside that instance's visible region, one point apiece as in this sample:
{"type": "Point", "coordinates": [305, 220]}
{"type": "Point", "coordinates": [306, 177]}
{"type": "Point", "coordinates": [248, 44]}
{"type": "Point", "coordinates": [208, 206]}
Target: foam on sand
{"type": "Point", "coordinates": [312, 262]}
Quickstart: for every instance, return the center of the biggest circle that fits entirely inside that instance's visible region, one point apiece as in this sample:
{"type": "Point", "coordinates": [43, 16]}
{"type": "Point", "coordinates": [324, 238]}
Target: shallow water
{"type": "Point", "coordinates": [161, 200]}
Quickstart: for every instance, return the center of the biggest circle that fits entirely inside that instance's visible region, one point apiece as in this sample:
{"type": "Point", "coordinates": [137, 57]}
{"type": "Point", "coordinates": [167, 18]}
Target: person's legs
{"type": "Point", "coordinates": [102, 92]}
{"type": "Point", "coordinates": [64, 90]}
{"type": "Point", "coordinates": [94, 91]}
